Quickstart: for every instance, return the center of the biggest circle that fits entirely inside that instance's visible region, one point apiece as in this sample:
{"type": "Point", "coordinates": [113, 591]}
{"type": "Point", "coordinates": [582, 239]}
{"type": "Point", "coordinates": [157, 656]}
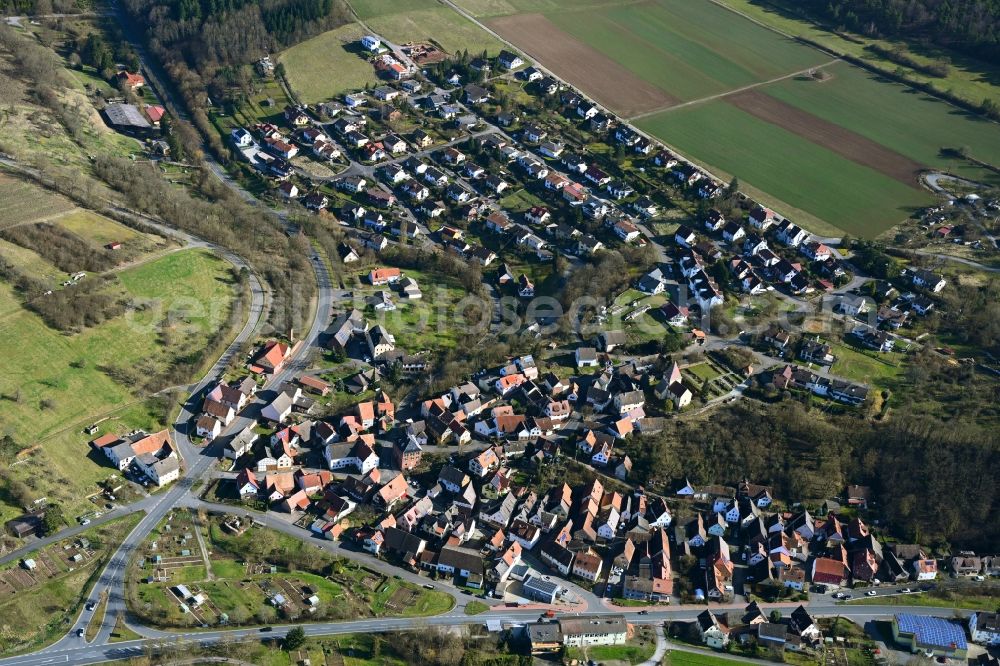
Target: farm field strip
{"type": "Point", "coordinates": [909, 122]}
{"type": "Point", "coordinates": [844, 152]}
{"type": "Point", "coordinates": [610, 83]}
{"type": "Point", "coordinates": [853, 197]}
{"type": "Point", "coordinates": [706, 49]}
{"type": "Point", "coordinates": [828, 135]}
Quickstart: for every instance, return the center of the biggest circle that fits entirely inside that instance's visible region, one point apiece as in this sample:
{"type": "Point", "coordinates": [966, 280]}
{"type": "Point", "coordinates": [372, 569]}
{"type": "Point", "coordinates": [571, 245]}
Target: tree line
{"type": "Point", "coordinates": [206, 47]}
{"type": "Point", "coordinates": [971, 27]}
{"type": "Point", "coordinates": [86, 303]}
{"type": "Point", "coordinates": [60, 247]}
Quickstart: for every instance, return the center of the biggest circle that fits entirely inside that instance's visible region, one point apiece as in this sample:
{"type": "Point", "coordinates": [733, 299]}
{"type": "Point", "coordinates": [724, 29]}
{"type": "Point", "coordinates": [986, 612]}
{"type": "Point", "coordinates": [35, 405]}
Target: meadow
{"type": "Point", "coordinates": [56, 384]}
{"type": "Point", "coordinates": [424, 20]}
{"type": "Point", "coordinates": [967, 77]}
{"type": "Point", "coordinates": [328, 65]}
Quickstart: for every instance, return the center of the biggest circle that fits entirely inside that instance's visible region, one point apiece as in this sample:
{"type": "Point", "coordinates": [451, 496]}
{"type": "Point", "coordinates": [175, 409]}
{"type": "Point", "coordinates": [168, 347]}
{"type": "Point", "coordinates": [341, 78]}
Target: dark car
{"type": "Point", "coordinates": [262, 629]}
{"type": "Point", "coordinates": [644, 612]}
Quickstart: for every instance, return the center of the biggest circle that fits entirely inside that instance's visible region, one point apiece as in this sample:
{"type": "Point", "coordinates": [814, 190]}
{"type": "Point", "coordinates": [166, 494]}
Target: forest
{"type": "Point", "coordinates": [971, 27]}
{"type": "Point", "coordinates": [207, 47]}
{"type": "Point", "coordinates": [933, 480]}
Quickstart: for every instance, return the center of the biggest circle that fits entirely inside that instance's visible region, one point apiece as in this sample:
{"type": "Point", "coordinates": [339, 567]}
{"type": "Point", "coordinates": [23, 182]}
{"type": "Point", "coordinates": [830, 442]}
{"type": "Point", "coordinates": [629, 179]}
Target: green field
{"type": "Point", "coordinates": [687, 49]}
{"type": "Point", "coordinates": [969, 78]}
{"type": "Point", "coordinates": [428, 323]}
{"type": "Point", "coordinates": [55, 384]}
{"type": "Point", "coordinates": [98, 229]}
{"type": "Point", "coordinates": [696, 50]}
{"type": "Point", "coordinates": [489, 8]}
{"type": "Point", "coordinates": [909, 122]}
{"type": "Point", "coordinates": [810, 179]}
{"type": "Point", "coordinates": [859, 366]}
{"type": "Point", "coordinates": [402, 21]}
{"type": "Point", "coordinates": [678, 658]}
{"type": "Point", "coordinates": [328, 65]}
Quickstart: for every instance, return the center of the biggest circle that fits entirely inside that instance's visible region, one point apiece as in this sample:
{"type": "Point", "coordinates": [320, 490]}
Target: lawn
{"type": "Point", "coordinates": [97, 619]}
{"type": "Point", "coordinates": [475, 608]}
{"type": "Point", "coordinates": [688, 48]}
{"type": "Point", "coordinates": [520, 200]}
{"type": "Point", "coordinates": [328, 65]}
{"type": "Point", "coordinates": [823, 191]}
{"type": "Point", "coordinates": [703, 371]}
{"type": "Point", "coordinates": [120, 632]}
{"type": "Point", "coordinates": [431, 322]}
{"type": "Point", "coordinates": [679, 658]}
{"type": "Point", "coordinates": [942, 599]}
{"type": "Point", "coordinates": [628, 654]}
{"type": "Point", "coordinates": [859, 366]}
{"type": "Point", "coordinates": [56, 384]}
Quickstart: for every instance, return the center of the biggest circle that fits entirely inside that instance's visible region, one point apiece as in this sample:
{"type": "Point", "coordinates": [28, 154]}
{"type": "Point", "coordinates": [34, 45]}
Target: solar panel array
{"type": "Point", "coordinates": [932, 631]}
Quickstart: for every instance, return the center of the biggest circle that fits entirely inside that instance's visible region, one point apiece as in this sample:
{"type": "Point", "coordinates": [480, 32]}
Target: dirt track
{"type": "Point", "coordinates": [833, 137]}
{"type": "Point", "coordinates": [591, 71]}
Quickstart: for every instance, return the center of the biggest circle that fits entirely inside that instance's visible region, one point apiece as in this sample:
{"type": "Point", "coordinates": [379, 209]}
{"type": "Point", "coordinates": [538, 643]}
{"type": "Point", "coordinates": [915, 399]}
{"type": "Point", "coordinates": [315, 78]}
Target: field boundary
{"type": "Point", "coordinates": [611, 84]}
{"type": "Point", "coordinates": [835, 138]}
{"type": "Point", "coordinates": [959, 103]}
{"type": "Point", "coordinates": [734, 91]}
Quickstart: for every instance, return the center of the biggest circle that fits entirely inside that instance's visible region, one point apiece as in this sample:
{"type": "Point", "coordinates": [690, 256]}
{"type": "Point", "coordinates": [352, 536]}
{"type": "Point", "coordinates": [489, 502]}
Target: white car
{"type": "Point", "coordinates": [871, 593]}
{"type": "Point", "coordinates": [906, 590]}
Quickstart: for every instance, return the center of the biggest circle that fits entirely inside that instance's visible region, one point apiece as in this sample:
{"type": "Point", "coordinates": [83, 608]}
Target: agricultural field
{"type": "Point", "coordinates": [59, 383]}
{"type": "Point", "coordinates": [23, 202]}
{"type": "Point", "coordinates": [907, 122]}
{"type": "Point", "coordinates": [969, 78]}
{"type": "Point", "coordinates": [328, 65]}
{"type": "Point", "coordinates": [823, 191]}
{"type": "Point", "coordinates": [841, 151]}
{"type": "Point", "coordinates": [655, 55]}
{"type": "Point", "coordinates": [37, 606]}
